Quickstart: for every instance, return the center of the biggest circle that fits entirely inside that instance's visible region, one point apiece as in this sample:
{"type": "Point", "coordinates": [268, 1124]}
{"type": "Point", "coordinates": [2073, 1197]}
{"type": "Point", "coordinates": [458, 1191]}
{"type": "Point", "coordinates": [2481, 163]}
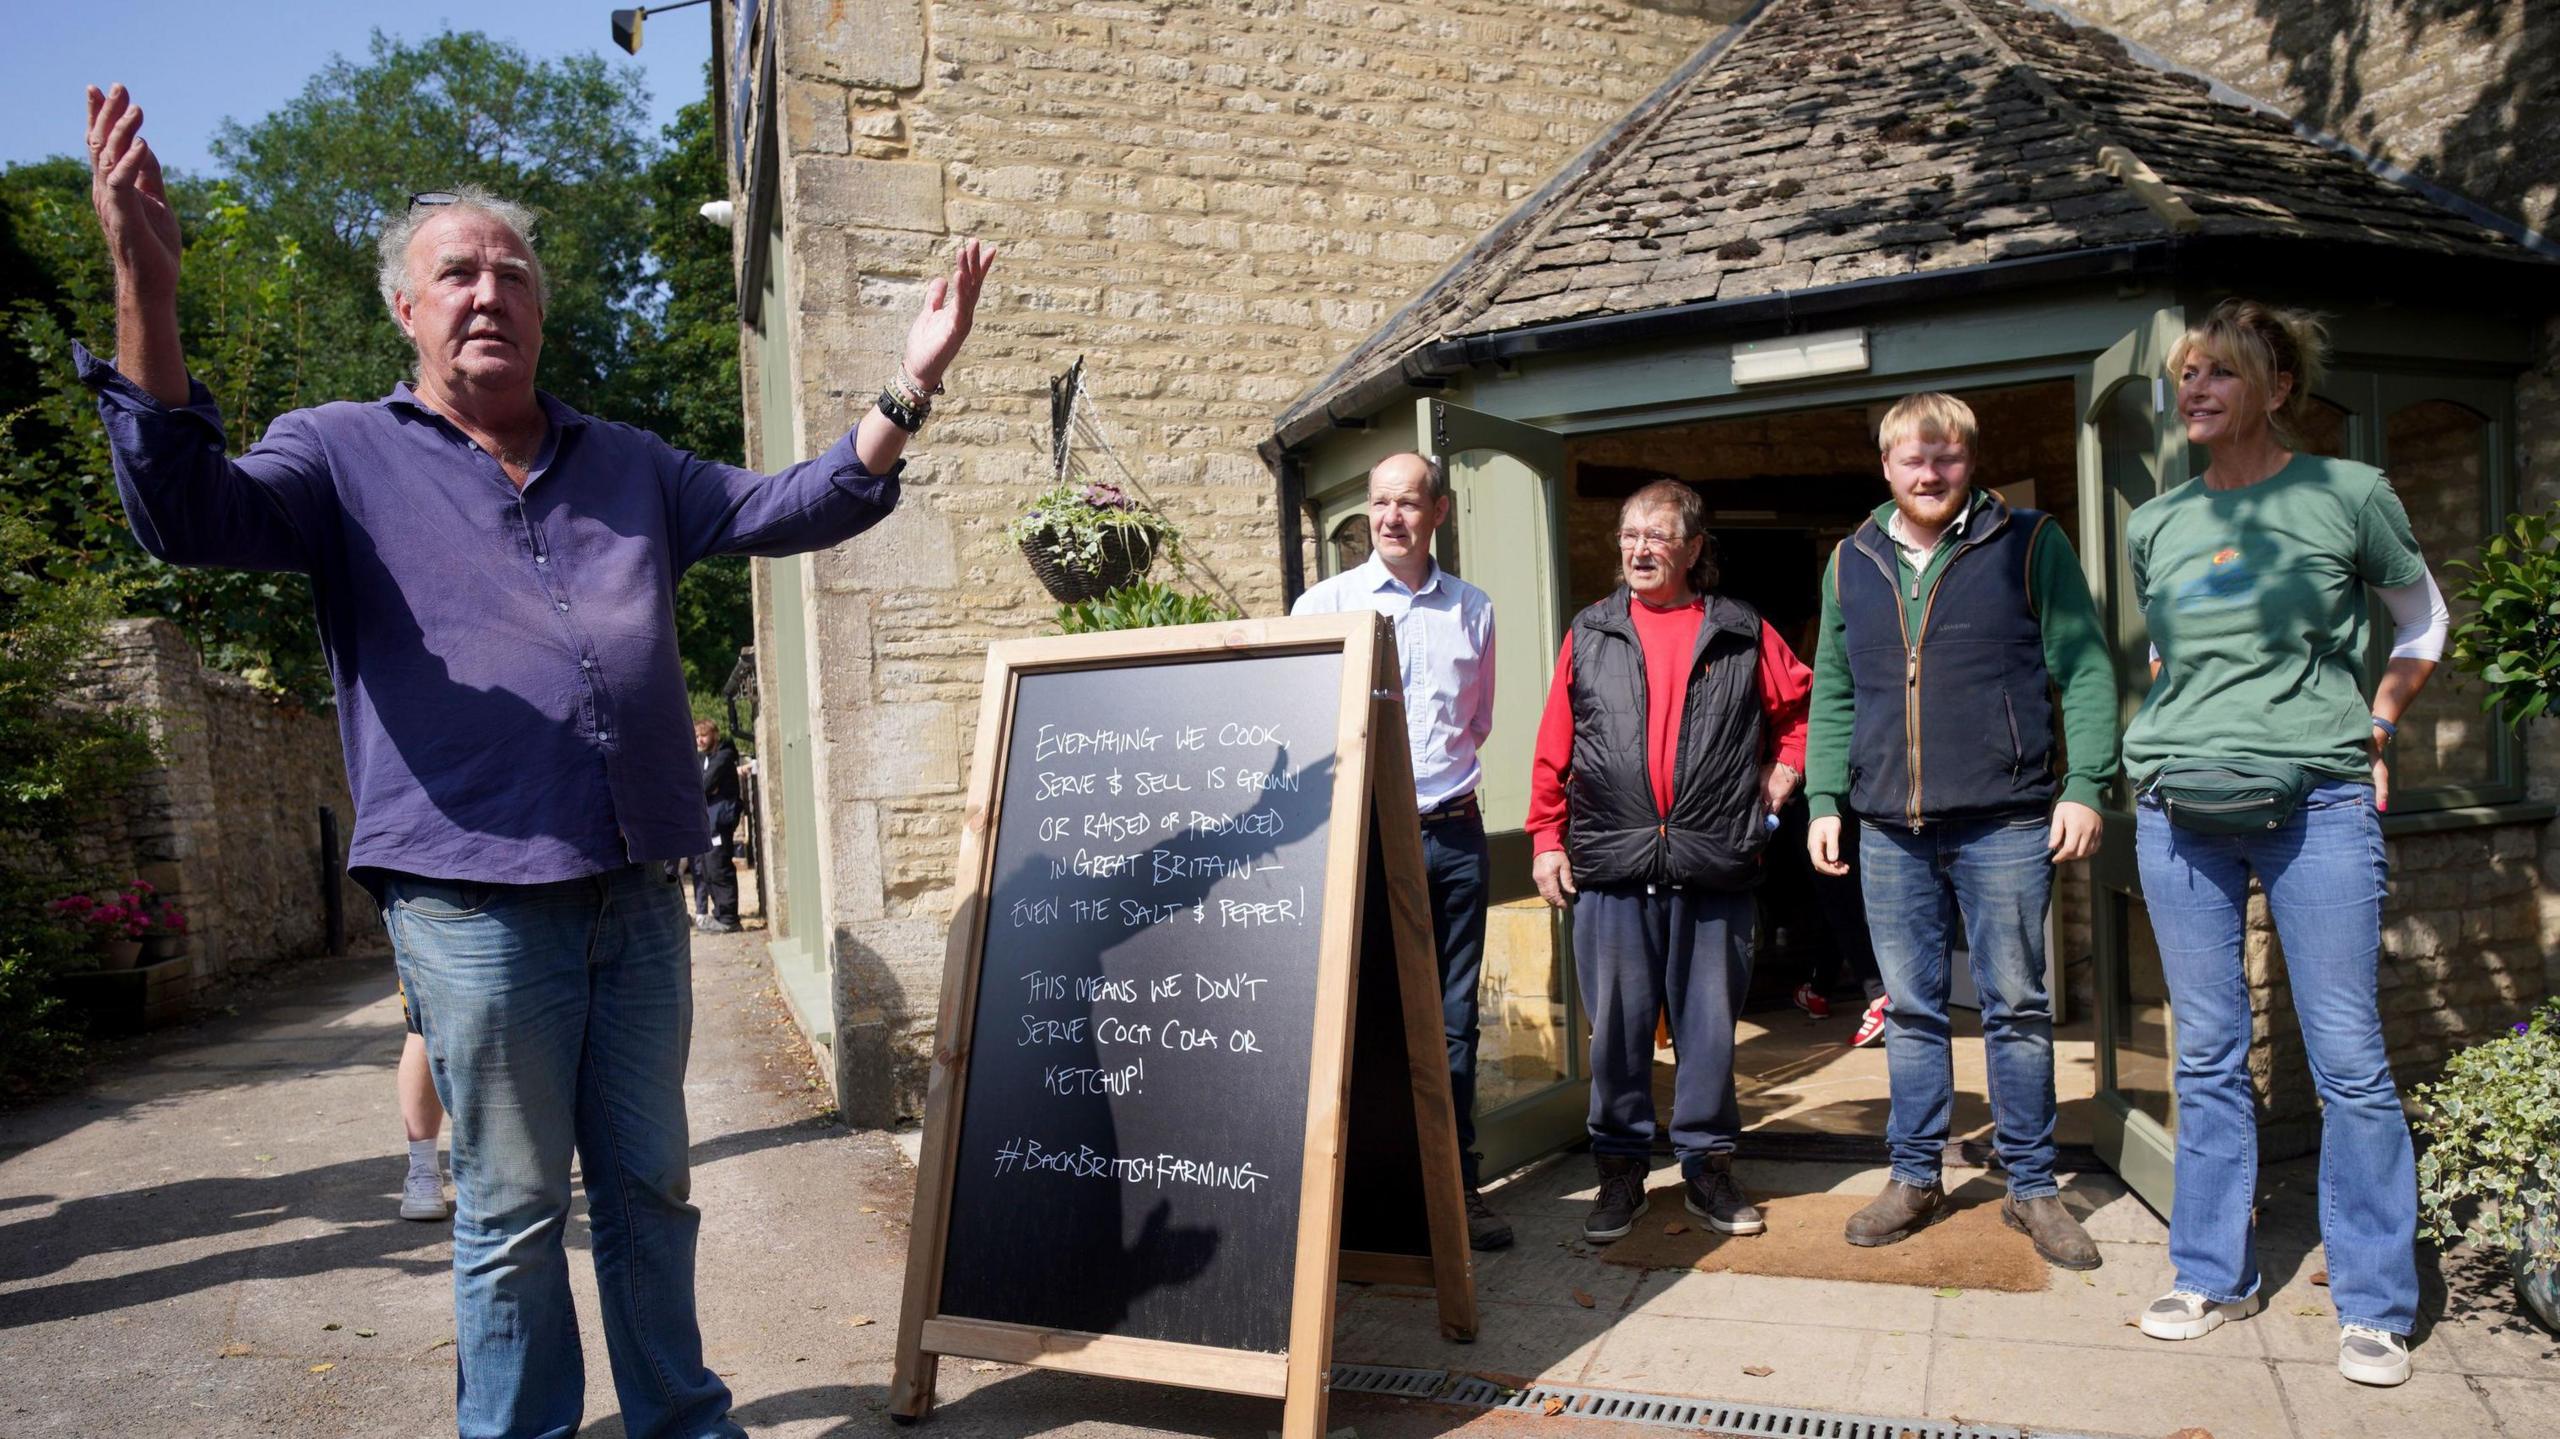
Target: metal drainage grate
{"type": "Point", "coordinates": [1748, 1421]}
{"type": "Point", "coordinates": [1381, 1379]}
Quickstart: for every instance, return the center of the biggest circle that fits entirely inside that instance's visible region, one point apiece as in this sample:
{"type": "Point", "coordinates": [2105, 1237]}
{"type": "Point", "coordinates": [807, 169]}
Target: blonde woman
{"type": "Point", "coordinates": [2257, 754]}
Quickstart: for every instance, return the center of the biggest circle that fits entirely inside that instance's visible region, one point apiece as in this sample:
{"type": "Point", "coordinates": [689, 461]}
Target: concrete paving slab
{"type": "Point", "coordinates": [1841, 1370]}
{"type": "Point", "coordinates": [1516, 1343]}
{"type": "Point", "coordinates": [2529, 1408]}
{"type": "Point", "coordinates": [1819, 1303]}
{"type": "Point", "coordinates": [2093, 1310]}
{"type": "Point", "coordinates": [2115, 1391]}
{"type": "Point", "coordinates": [2435, 1404]}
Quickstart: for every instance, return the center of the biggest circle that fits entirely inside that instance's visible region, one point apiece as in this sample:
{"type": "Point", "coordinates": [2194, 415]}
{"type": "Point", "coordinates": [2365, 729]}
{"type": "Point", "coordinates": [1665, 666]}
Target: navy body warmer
{"type": "Point", "coordinates": [1956, 721]}
{"type": "Point", "coordinates": [1614, 833]}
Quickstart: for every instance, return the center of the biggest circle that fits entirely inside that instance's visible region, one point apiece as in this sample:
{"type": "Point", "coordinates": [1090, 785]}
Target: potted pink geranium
{"type": "Point", "coordinates": [114, 923]}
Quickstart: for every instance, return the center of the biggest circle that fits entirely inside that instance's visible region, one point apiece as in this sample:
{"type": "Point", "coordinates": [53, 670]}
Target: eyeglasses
{"type": "Point", "coordinates": [425, 198]}
{"type": "Point", "coordinates": [1648, 540]}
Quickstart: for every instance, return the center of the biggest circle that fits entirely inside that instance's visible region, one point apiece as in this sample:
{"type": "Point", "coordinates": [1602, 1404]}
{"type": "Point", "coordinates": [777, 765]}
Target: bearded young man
{"type": "Point", "coordinates": [495, 576]}
{"type": "Point", "coordinates": [1949, 623]}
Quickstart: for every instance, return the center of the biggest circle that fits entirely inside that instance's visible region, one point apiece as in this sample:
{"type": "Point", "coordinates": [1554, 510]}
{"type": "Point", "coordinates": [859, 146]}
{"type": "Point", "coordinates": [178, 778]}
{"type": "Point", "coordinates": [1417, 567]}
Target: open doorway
{"type": "Point", "coordinates": [1782, 490]}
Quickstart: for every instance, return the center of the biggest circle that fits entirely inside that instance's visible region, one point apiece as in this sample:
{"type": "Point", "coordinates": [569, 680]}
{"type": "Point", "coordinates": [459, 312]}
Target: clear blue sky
{"type": "Point", "coordinates": [195, 63]}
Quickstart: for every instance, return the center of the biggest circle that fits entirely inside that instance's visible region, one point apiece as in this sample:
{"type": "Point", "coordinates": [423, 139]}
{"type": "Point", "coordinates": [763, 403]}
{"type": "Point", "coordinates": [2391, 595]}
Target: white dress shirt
{"type": "Point", "coordinates": [1444, 641]}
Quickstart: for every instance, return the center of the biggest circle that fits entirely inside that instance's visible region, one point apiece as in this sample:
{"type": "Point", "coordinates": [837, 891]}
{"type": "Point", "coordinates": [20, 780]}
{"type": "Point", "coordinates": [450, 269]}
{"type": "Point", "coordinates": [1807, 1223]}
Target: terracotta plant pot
{"type": "Point", "coordinates": [1126, 554]}
{"type": "Point", "coordinates": [163, 946]}
{"type": "Point", "coordinates": [119, 953]}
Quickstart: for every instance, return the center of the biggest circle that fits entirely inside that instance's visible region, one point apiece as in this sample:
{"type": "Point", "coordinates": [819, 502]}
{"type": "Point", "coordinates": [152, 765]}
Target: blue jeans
{"type": "Point", "coordinates": [557, 1019]}
{"type": "Point", "coordinates": [1684, 954]}
{"type": "Point", "coordinates": [2324, 875]}
{"type": "Point", "coordinates": [1998, 874]}
{"type": "Point", "coordinates": [1453, 855]}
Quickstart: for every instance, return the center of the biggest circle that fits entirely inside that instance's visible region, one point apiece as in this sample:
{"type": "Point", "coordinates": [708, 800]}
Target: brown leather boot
{"type": "Point", "coordinates": [1895, 1215]}
{"type": "Point", "coordinates": [2058, 1236]}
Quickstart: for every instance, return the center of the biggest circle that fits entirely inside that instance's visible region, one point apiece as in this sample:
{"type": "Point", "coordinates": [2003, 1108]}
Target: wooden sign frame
{"type": "Point", "coordinates": [1373, 778]}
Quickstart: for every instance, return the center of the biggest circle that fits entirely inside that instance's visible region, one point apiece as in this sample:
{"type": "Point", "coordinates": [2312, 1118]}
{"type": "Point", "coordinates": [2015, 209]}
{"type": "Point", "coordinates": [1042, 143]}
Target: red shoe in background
{"type": "Point", "coordinates": [1813, 1004]}
{"type": "Point", "coordinates": [1871, 1024]}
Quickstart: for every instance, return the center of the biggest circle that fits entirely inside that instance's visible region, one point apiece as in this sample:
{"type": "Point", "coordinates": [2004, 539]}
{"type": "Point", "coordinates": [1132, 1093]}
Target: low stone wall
{"type": "Point", "coordinates": [228, 826]}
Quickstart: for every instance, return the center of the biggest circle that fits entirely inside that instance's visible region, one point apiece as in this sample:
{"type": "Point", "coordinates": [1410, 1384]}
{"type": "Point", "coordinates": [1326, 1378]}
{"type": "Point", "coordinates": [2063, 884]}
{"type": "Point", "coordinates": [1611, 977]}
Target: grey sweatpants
{"type": "Point", "coordinates": [1684, 951]}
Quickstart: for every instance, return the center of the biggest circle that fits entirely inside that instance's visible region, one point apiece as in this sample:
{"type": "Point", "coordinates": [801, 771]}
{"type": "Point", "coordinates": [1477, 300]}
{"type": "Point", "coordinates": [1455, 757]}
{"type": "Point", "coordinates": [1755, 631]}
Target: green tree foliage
{"type": "Point", "coordinates": [60, 768]}
{"type": "Point", "coordinates": [681, 380]}
{"type": "Point", "coordinates": [280, 306]}
{"type": "Point", "coordinates": [563, 136]}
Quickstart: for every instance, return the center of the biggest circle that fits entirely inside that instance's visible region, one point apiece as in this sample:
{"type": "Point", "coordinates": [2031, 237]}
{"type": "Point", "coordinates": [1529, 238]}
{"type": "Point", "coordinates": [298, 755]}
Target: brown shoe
{"type": "Point", "coordinates": [1485, 1229]}
{"type": "Point", "coordinates": [2058, 1236]}
{"type": "Point", "coordinates": [1895, 1215]}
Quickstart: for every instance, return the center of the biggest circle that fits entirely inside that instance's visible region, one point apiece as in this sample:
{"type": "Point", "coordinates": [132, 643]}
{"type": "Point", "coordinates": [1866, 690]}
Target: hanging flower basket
{"type": "Point", "coordinates": [1086, 540]}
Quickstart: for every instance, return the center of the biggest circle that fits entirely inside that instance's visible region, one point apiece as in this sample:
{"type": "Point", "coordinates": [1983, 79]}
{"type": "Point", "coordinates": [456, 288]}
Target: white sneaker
{"type": "Point", "coordinates": [2373, 1356]}
{"type": "Point", "coordinates": [2181, 1315]}
{"type": "Point", "coordinates": [423, 1196]}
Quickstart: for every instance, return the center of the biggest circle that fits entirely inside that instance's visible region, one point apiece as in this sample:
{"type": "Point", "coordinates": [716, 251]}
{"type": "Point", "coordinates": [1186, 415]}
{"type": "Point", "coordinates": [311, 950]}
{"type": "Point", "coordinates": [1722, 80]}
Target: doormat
{"type": "Point", "coordinates": [1972, 1250]}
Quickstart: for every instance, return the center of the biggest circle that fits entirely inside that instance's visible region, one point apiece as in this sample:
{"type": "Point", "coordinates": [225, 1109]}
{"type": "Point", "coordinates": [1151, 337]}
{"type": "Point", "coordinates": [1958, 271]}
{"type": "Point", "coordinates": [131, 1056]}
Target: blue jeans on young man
{"type": "Point", "coordinates": [1641, 951]}
{"type": "Point", "coordinates": [557, 1019]}
{"type": "Point", "coordinates": [1998, 875]}
{"type": "Point", "coordinates": [2324, 875]}
{"type": "Point", "coordinates": [1453, 859]}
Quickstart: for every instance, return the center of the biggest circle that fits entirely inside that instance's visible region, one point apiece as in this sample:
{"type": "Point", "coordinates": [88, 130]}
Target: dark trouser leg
{"type": "Point", "coordinates": [1706, 975]}
{"type": "Point", "coordinates": [1453, 854]}
{"type": "Point", "coordinates": [716, 875]}
{"type": "Point", "coordinates": [1843, 908]}
{"type": "Point", "coordinates": [1617, 959]}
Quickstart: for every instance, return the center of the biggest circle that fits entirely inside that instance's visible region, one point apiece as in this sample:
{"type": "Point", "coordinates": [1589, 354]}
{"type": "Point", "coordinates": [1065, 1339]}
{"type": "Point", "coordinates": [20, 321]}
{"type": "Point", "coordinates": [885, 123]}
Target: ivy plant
{"type": "Point", "coordinates": [1072, 518]}
{"type": "Point", "coordinates": [2492, 1124]}
{"type": "Point", "coordinates": [1141, 605]}
{"type": "Point", "coordinates": [2512, 638]}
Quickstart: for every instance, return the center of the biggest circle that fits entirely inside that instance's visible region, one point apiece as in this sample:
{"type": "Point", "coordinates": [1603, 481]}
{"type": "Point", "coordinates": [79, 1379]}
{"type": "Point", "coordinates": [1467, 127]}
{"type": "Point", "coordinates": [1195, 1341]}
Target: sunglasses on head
{"type": "Point", "coordinates": [426, 198]}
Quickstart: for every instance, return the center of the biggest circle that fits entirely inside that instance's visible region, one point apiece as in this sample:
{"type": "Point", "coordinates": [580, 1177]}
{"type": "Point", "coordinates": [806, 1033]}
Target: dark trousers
{"type": "Point", "coordinates": [1841, 906]}
{"type": "Point", "coordinates": [1681, 952]}
{"type": "Point", "coordinates": [715, 870]}
{"type": "Point", "coordinates": [1453, 857]}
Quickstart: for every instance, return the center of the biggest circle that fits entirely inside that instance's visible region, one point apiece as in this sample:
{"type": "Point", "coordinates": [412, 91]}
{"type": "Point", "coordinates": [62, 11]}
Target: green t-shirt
{"type": "Point", "coordinates": [2256, 599]}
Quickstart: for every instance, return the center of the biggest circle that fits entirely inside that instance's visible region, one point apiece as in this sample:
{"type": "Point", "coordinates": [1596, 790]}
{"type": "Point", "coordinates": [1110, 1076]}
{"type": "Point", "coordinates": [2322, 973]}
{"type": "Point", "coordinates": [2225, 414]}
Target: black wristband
{"type": "Point", "coordinates": [900, 414]}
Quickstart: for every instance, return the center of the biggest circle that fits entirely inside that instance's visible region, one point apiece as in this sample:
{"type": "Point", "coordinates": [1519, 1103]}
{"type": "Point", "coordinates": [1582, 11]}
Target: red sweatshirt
{"type": "Point", "coordinates": [1670, 642]}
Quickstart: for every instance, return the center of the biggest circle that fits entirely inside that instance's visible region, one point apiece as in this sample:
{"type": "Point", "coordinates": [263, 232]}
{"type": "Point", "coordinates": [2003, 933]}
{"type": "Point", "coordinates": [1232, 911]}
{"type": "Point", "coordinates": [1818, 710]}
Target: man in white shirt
{"type": "Point", "coordinates": [1444, 641]}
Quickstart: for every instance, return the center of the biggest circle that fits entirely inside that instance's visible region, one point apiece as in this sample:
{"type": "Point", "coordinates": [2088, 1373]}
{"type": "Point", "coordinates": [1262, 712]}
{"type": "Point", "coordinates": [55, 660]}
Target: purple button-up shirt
{"type": "Point", "coordinates": [508, 689]}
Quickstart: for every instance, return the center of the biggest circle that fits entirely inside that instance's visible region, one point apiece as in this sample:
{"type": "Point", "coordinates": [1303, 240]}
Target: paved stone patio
{"type": "Point", "coordinates": [2065, 1361]}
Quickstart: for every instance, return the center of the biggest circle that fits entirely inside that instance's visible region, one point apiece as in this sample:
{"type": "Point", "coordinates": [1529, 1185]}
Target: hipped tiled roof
{"type": "Point", "coordinates": [1841, 140]}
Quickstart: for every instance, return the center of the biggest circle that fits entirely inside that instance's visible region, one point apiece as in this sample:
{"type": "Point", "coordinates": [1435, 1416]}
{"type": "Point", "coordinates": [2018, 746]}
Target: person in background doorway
{"type": "Point", "coordinates": [2256, 577]}
{"type": "Point", "coordinates": [715, 870]}
{"type": "Point", "coordinates": [1950, 623]}
{"type": "Point", "coordinates": [1444, 641]}
{"type": "Point", "coordinates": [1673, 731]}
{"type": "Point", "coordinates": [422, 1118]}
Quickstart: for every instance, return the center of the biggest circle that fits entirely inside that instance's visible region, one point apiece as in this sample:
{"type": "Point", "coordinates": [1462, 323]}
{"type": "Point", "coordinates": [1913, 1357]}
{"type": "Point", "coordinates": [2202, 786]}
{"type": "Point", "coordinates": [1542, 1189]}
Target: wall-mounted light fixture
{"type": "Point", "coordinates": [626, 23]}
{"type": "Point", "coordinates": [1799, 357]}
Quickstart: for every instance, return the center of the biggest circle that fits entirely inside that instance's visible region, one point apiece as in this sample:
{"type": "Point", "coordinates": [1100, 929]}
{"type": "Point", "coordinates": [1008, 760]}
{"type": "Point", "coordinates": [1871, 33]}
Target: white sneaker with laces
{"type": "Point", "coordinates": [2181, 1315]}
{"type": "Point", "coordinates": [2373, 1356]}
{"type": "Point", "coordinates": [422, 1197]}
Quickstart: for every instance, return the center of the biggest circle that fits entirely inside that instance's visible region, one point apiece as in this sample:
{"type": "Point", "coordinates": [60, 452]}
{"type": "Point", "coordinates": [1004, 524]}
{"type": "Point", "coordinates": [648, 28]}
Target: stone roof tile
{"type": "Point", "coordinates": [1837, 140]}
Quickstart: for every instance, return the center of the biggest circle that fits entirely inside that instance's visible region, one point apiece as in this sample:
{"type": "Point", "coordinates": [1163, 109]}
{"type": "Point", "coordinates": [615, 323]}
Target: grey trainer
{"type": "Point", "coordinates": [1895, 1215]}
{"type": "Point", "coordinates": [2373, 1356]}
{"type": "Point", "coordinates": [2058, 1236]}
{"type": "Point", "coordinates": [2180, 1314]}
{"type": "Point", "coordinates": [422, 1196]}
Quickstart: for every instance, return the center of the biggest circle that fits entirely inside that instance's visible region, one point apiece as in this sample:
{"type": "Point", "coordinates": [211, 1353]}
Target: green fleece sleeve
{"type": "Point", "coordinates": [1831, 718]}
{"type": "Point", "coordinates": [2082, 666]}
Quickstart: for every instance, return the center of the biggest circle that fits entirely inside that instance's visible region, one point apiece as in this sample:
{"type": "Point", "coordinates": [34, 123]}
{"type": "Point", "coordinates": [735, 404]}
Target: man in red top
{"type": "Point", "coordinates": [1675, 727]}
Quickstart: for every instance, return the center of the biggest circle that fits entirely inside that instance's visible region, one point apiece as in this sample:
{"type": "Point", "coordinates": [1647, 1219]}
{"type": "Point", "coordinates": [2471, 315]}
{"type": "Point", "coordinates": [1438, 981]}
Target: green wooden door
{"type": "Point", "coordinates": [2131, 448]}
{"type": "Point", "coordinates": [1532, 1083]}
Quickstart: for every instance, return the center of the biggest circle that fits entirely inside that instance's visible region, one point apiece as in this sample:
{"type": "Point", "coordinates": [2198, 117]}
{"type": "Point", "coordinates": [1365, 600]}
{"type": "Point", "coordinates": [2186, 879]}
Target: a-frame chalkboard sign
{"type": "Point", "coordinates": [1190, 991]}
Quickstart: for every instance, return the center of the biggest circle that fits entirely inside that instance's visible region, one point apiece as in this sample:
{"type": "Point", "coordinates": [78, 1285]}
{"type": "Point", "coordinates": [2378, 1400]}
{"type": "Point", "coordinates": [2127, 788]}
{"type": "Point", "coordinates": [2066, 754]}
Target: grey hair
{"type": "Point", "coordinates": [1435, 472]}
{"type": "Point", "coordinates": [393, 277]}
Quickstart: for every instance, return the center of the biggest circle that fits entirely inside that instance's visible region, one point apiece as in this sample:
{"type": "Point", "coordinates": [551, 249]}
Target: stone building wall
{"type": "Point", "coordinates": [1210, 203]}
{"type": "Point", "coordinates": [228, 825]}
